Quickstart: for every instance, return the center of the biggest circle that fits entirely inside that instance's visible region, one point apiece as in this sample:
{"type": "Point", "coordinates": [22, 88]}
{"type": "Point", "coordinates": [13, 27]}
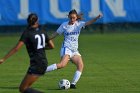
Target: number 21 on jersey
{"type": "Point", "coordinates": [40, 41]}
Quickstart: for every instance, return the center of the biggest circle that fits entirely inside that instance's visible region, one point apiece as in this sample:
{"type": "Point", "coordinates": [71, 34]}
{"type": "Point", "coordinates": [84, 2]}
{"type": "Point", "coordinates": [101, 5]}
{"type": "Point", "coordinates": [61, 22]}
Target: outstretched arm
{"type": "Point", "coordinates": [53, 35]}
{"type": "Point", "coordinates": [50, 44]}
{"type": "Point", "coordinates": [12, 51]}
{"type": "Point", "coordinates": [93, 20]}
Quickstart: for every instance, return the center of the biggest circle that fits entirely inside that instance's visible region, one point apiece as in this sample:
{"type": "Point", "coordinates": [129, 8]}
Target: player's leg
{"type": "Point", "coordinates": [65, 56]}
{"type": "Point", "coordinates": [77, 60]}
{"type": "Point", "coordinates": [27, 82]}
{"type": "Point", "coordinates": [63, 62]}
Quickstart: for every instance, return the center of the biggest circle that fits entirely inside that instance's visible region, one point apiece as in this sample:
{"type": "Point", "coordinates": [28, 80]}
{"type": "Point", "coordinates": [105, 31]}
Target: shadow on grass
{"type": "Point", "coordinates": [54, 89]}
{"type": "Point", "coordinates": [8, 88]}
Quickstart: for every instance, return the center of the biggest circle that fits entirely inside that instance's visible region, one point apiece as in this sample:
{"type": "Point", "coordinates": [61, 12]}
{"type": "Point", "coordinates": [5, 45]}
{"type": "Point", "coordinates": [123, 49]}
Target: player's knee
{"type": "Point", "coordinates": [80, 66]}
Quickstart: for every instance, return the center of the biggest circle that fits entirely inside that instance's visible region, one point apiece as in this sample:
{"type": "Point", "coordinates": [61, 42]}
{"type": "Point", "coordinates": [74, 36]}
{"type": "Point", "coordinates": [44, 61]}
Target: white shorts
{"type": "Point", "coordinates": [65, 50]}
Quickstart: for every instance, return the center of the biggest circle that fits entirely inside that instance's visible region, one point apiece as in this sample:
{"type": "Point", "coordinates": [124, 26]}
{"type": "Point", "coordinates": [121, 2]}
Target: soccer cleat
{"type": "Point", "coordinates": [72, 86]}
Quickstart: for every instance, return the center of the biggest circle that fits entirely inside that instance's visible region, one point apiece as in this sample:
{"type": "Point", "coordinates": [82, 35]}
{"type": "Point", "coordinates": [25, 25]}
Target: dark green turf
{"type": "Point", "coordinates": [112, 65]}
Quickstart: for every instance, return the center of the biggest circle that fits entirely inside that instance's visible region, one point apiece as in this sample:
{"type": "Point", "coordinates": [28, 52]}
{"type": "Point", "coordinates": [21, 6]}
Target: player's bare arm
{"type": "Point", "coordinates": [12, 51]}
{"type": "Point", "coordinates": [93, 20]}
{"type": "Point", "coordinates": [53, 35]}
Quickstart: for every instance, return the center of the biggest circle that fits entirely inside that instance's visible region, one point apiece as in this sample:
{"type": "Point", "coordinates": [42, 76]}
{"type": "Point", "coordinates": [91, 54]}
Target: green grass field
{"type": "Point", "coordinates": [112, 65]}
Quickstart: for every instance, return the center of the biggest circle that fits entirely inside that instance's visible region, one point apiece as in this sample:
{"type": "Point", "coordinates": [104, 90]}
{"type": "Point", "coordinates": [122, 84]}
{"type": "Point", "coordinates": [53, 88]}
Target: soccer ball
{"type": "Point", "coordinates": [64, 84]}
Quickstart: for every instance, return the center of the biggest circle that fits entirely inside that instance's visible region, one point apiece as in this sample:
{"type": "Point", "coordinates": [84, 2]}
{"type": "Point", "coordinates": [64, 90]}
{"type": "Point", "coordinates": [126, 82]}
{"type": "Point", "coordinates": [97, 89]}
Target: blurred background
{"type": "Point", "coordinates": [119, 15]}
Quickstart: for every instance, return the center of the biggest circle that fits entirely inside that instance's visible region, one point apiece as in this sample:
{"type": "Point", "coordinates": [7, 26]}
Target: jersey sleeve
{"type": "Point", "coordinates": [82, 24]}
{"type": "Point", "coordinates": [60, 30]}
{"type": "Point", "coordinates": [23, 37]}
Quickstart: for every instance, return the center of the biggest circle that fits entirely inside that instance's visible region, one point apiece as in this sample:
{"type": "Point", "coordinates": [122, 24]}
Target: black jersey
{"type": "Point", "coordinates": [35, 40]}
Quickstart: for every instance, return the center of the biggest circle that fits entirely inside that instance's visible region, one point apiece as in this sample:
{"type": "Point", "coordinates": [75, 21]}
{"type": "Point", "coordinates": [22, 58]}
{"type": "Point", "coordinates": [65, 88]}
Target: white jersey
{"type": "Point", "coordinates": [71, 34]}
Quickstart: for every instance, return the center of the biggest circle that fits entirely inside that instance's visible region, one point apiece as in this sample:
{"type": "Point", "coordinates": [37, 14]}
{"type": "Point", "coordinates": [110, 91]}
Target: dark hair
{"type": "Point", "coordinates": [79, 16]}
{"type": "Point", "coordinates": [32, 19]}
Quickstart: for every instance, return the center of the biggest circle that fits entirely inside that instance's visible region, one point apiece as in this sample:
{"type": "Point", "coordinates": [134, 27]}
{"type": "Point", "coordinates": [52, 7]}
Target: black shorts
{"type": "Point", "coordinates": [37, 67]}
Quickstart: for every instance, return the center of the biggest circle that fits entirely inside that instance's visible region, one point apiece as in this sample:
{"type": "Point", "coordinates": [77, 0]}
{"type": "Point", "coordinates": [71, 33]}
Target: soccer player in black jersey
{"type": "Point", "coordinates": [36, 41]}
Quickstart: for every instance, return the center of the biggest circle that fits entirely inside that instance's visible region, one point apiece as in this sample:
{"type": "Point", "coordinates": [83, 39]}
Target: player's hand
{"type": "Point", "coordinates": [100, 15]}
{"type": "Point", "coordinates": [1, 61]}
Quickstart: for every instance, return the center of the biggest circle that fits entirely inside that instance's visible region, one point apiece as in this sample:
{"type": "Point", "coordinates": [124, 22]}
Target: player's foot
{"type": "Point", "coordinates": [72, 86]}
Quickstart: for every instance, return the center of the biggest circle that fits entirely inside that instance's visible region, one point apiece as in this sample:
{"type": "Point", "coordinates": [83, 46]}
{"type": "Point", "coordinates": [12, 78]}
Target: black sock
{"type": "Point", "coordinates": [30, 90]}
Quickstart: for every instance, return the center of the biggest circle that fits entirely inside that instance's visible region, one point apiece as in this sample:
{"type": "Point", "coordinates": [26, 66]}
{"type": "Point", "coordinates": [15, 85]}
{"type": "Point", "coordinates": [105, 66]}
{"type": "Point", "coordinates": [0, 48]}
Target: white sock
{"type": "Point", "coordinates": [76, 77]}
{"type": "Point", "coordinates": [51, 68]}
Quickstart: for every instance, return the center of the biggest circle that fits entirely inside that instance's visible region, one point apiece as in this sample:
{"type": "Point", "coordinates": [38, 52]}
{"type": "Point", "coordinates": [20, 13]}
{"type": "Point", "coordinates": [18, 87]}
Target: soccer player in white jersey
{"type": "Point", "coordinates": [69, 50]}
